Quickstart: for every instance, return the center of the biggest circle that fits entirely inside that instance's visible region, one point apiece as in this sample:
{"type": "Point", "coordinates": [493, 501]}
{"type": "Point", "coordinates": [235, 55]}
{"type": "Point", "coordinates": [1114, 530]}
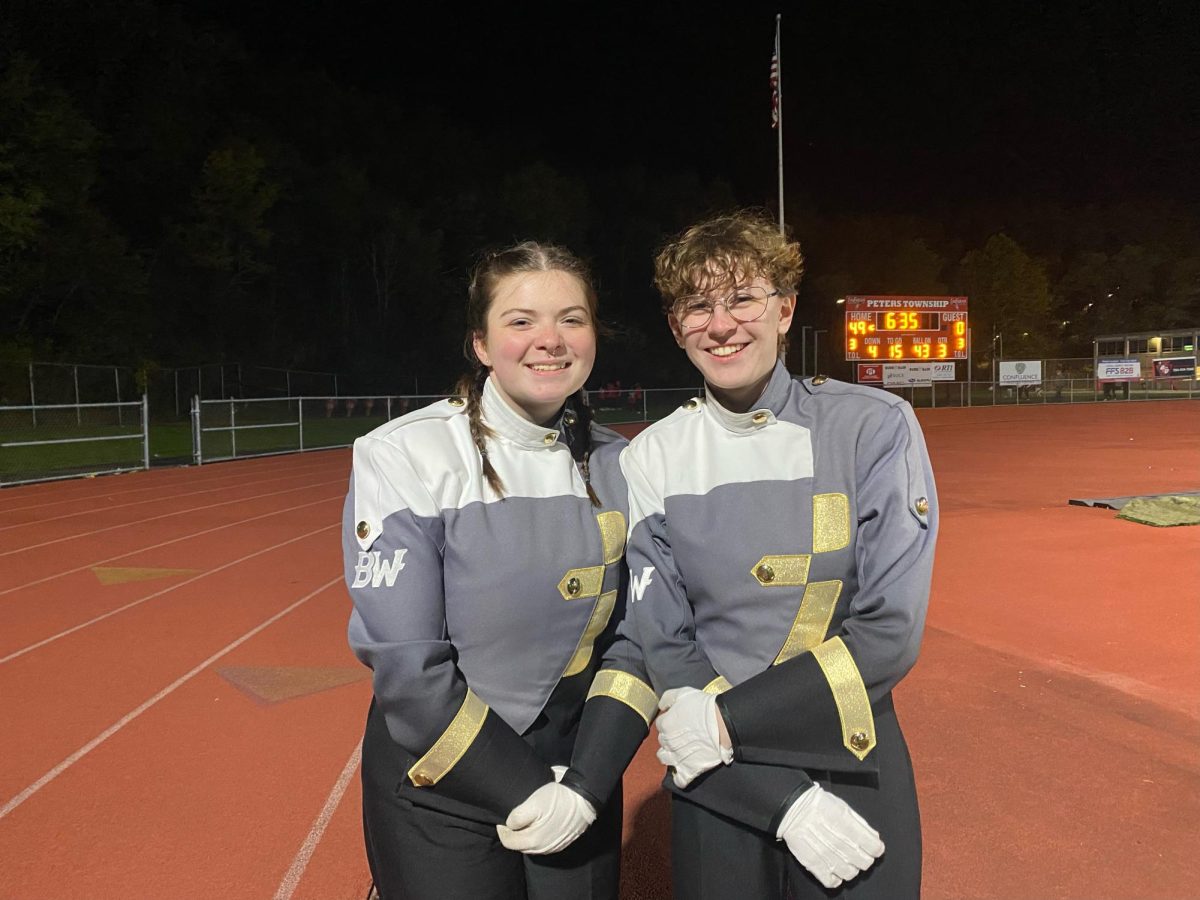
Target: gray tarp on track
{"type": "Point", "coordinates": [1160, 510]}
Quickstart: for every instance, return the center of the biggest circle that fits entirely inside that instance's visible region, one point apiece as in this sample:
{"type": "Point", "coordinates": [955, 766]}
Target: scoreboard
{"type": "Point", "coordinates": [906, 328]}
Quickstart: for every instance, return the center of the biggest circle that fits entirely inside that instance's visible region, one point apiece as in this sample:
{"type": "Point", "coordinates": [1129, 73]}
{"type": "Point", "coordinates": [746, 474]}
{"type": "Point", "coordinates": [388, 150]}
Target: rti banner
{"type": "Point", "coordinates": [1175, 367]}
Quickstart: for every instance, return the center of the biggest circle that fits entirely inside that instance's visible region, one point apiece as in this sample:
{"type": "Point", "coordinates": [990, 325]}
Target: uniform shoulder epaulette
{"type": "Point", "coordinates": [439, 410]}
{"type": "Point", "coordinates": [823, 384]}
{"type": "Point", "coordinates": [678, 417]}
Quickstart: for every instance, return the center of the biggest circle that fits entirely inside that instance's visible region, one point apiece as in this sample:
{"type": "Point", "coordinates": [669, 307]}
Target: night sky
{"type": "Point", "coordinates": [887, 106]}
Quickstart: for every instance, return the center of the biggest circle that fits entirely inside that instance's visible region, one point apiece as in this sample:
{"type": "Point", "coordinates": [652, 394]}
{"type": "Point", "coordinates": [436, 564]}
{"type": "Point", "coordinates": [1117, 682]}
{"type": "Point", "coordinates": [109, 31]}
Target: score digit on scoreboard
{"type": "Point", "coordinates": [906, 328]}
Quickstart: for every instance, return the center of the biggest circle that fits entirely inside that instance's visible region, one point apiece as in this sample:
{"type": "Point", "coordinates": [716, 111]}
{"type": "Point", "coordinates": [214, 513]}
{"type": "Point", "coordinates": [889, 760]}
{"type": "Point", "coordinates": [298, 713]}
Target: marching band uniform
{"type": "Point", "coordinates": [781, 558]}
{"type": "Point", "coordinates": [488, 622]}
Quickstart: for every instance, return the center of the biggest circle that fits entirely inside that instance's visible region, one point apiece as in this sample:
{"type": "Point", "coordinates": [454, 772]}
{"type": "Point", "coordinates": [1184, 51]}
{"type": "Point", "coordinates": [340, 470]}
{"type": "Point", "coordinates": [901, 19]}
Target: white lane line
{"type": "Point", "coordinates": [34, 523]}
{"type": "Point", "coordinates": [187, 475]}
{"type": "Point", "coordinates": [121, 609]}
{"type": "Point", "coordinates": [179, 512]}
{"type": "Point", "coordinates": [169, 689]}
{"type": "Point", "coordinates": [291, 880]}
{"type": "Point", "coordinates": [236, 524]}
{"type": "Point", "coordinates": [160, 484]}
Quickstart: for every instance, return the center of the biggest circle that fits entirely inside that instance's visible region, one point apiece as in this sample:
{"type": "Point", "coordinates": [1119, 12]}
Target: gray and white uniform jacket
{"type": "Point", "coordinates": [488, 618]}
{"type": "Point", "coordinates": [781, 558]}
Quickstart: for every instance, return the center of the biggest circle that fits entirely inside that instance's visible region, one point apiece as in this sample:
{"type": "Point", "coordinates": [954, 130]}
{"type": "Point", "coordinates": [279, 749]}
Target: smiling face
{"type": "Point", "coordinates": [737, 358]}
{"type": "Point", "coordinates": [540, 341]}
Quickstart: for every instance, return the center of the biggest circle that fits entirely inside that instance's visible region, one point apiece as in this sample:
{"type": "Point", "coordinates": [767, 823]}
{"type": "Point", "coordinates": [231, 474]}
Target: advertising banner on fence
{"type": "Point", "coordinates": [943, 371]}
{"type": "Point", "coordinates": [908, 375]}
{"type": "Point", "coordinates": [870, 373]}
{"type": "Point", "coordinates": [1118, 370]}
{"type": "Point", "coordinates": [1027, 371]}
{"type": "Point", "coordinates": [1175, 367]}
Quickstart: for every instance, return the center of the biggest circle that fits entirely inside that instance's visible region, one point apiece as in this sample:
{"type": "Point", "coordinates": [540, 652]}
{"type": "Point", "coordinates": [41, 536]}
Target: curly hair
{"type": "Point", "coordinates": [719, 252]}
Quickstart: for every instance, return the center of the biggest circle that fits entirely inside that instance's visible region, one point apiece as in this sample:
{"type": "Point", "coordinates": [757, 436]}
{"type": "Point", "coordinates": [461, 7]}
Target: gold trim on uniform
{"type": "Point", "coordinates": [579, 584]}
{"type": "Point", "coordinates": [612, 533]}
{"type": "Point", "coordinates": [812, 619]}
{"type": "Point", "coordinates": [850, 695]}
{"type": "Point", "coordinates": [450, 747]}
{"type": "Point", "coordinates": [718, 685]}
{"type": "Point", "coordinates": [595, 625]}
{"type": "Point", "coordinates": [782, 571]}
{"type": "Point", "coordinates": [629, 689]}
{"type": "Point", "coordinates": [831, 522]}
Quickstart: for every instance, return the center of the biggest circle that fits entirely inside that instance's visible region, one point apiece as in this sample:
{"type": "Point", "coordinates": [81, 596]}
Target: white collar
{"type": "Point", "coordinates": [764, 411]}
{"type": "Point", "coordinates": [507, 423]}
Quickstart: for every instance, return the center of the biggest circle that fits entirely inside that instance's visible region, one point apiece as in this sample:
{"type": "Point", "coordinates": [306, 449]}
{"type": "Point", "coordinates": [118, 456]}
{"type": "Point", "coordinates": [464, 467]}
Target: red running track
{"type": "Point", "coordinates": [182, 714]}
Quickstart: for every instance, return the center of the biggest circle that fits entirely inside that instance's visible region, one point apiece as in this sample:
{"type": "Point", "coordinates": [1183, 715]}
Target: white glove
{"type": "Point", "coordinates": [688, 737]}
{"type": "Point", "coordinates": [829, 838]}
{"type": "Point", "coordinates": [549, 820]}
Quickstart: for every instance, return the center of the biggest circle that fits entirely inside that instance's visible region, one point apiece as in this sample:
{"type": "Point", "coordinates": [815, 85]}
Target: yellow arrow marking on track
{"type": "Point", "coordinates": [274, 684]}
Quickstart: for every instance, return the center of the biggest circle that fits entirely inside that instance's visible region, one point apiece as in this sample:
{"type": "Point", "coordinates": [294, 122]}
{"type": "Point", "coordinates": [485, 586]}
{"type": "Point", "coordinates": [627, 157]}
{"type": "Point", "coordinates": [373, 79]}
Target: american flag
{"type": "Point", "coordinates": [775, 84]}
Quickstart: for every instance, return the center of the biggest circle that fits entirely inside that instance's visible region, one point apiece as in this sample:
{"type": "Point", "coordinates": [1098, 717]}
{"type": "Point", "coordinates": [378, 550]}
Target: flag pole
{"type": "Point", "coordinates": [779, 111]}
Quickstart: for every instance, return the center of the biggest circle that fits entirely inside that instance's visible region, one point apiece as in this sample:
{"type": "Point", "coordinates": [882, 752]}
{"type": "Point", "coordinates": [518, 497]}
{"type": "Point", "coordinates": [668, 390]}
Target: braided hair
{"type": "Point", "coordinates": [527, 256]}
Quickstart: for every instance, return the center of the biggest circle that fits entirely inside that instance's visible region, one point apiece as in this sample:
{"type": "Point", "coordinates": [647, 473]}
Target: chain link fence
{"type": "Point", "coordinates": [195, 415]}
{"type": "Point", "coordinates": [50, 441]}
{"type": "Point", "coordinates": [1062, 381]}
{"type": "Point", "coordinates": [235, 429]}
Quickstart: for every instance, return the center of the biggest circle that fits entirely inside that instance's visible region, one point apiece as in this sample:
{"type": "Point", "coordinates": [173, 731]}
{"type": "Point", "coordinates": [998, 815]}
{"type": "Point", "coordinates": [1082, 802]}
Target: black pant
{"type": "Point", "coordinates": [419, 853]}
{"type": "Point", "coordinates": [716, 858]}
{"type": "Point", "coordinates": [423, 854]}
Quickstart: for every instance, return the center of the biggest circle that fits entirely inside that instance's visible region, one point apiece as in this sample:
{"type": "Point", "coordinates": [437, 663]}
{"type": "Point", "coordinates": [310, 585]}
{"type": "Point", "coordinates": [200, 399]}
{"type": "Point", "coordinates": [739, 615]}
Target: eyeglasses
{"type": "Point", "coordinates": [743, 305]}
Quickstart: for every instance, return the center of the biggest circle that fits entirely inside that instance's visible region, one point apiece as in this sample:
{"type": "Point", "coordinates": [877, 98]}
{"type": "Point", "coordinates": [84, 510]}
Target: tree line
{"type": "Point", "coordinates": [169, 198]}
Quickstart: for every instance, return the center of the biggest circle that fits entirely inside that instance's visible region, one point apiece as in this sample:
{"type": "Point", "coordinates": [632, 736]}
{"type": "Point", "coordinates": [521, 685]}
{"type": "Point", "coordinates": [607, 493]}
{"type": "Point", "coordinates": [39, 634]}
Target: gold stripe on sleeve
{"type": "Point", "coordinates": [850, 695]}
{"type": "Point", "coordinates": [630, 690]}
{"type": "Point", "coordinates": [831, 522]}
{"type": "Point", "coordinates": [812, 619]}
{"type": "Point", "coordinates": [718, 685]}
{"type": "Point", "coordinates": [579, 584]}
{"type": "Point", "coordinates": [612, 533]}
{"type": "Point", "coordinates": [595, 625]}
{"type": "Point", "coordinates": [782, 571]}
{"type": "Point", "coordinates": [450, 747]}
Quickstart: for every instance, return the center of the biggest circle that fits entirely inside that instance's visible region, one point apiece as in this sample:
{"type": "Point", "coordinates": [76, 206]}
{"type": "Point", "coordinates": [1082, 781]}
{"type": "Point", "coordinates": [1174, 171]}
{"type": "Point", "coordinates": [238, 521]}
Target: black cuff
{"type": "Point", "coordinates": [496, 773]}
{"type": "Point", "coordinates": [575, 782]}
{"type": "Point", "coordinates": [730, 728]}
{"type": "Point", "coordinates": [756, 796]}
{"type": "Point", "coordinates": [787, 804]}
{"type": "Point", "coordinates": [787, 716]}
{"type": "Point", "coordinates": [610, 733]}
